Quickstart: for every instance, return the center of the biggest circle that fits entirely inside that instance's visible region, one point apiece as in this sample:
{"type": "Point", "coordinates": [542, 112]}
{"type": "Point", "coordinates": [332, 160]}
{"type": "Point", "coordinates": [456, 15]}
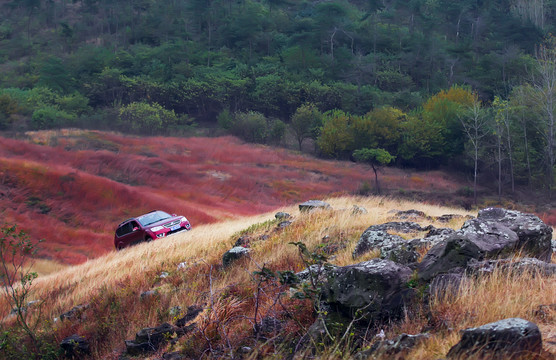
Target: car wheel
{"type": "Point", "coordinates": [148, 238]}
{"type": "Point", "coordinates": [120, 246]}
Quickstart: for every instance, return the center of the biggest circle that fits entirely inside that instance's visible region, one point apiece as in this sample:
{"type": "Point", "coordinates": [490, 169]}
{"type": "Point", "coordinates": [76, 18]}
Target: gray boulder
{"type": "Point", "coordinates": [234, 254]}
{"type": "Point", "coordinates": [282, 215]}
{"type": "Point", "coordinates": [377, 288]}
{"type": "Point", "coordinates": [533, 234]}
{"type": "Point", "coordinates": [149, 339]}
{"type": "Point", "coordinates": [311, 205]}
{"type": "Point", "coordinates": [512, 338]}
{"type": "Point", "coordinates": [75, 313]}
{"type": "Point", "coordinates": [75, 346]}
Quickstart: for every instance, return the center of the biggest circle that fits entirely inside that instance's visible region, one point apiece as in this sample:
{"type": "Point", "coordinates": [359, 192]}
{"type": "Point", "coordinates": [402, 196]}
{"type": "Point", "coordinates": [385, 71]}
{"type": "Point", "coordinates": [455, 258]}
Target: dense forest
{"type": "Point", "coordinates": [419, 83]}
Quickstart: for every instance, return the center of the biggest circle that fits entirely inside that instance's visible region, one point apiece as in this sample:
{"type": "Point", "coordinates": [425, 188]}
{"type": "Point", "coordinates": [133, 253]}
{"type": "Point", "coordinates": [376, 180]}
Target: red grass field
{"type": "Point", "coordinates": [72, 188]}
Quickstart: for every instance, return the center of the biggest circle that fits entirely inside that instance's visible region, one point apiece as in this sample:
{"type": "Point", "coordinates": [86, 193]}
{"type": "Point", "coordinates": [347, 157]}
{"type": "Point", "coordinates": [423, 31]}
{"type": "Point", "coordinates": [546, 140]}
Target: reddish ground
{"type": "Point", "coordinates": [72, 188]}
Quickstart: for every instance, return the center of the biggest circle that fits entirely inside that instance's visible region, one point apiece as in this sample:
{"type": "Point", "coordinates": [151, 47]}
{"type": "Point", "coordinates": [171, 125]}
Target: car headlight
{"type": "Point", "coordinates": [157, 228]}
{"type": "Point", "coordinates": [183, 219]}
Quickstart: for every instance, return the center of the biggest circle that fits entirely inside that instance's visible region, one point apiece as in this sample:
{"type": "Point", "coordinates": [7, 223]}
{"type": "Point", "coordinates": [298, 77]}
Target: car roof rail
{"type": "Point", "coordinates": [125, 221]}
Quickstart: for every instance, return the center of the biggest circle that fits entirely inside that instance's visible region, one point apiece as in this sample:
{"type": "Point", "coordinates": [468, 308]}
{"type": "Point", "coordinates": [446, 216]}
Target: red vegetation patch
{"type": "Point", "coordinates": [74, 192]}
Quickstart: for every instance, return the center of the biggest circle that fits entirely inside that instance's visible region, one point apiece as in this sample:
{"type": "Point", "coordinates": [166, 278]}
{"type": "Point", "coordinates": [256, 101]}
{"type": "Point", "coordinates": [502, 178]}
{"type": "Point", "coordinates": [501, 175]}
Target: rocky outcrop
{"type": "Point", "coordinates": [530, 265]}
{"type": "Point", "coordinates": [311, 205]}
{"type": "Point", "coordinates": [495, 233]}
{"type": "Point", "coordinates": [75, 346]}
{"type": "Point", "coordinates": [376, 288]}
{"type": "Point", "coordinates": [234, 254]}
{"type": "Point", "coordinates": [533, 234]}
{"type": "Point", "coordinates": [512, 338]}
{"type": "Point", "coordinates": [282, 215]}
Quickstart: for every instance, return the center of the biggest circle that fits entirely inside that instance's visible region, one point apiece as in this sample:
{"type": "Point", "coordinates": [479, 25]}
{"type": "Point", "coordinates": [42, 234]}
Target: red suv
{"type": "Point", "coordinates": [154, 225]}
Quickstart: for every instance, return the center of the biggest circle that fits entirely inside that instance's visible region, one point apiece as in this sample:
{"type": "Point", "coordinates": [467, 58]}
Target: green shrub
{"type": "Point", "coordinates": [141, 117]}
{"type": "Point", "coordinates": [49, 117]}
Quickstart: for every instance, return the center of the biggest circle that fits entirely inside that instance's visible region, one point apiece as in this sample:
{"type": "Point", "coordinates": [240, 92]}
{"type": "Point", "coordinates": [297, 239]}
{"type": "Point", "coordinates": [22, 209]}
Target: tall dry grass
{"type": "Point", "coordinates": [111, 284]}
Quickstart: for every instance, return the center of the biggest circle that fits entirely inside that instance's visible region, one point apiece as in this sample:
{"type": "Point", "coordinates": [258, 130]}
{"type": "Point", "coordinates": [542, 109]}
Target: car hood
{"type": "Point", "coordinates": [164, 222]}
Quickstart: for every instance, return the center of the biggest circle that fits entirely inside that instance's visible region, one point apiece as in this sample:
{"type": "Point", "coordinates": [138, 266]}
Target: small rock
{"type": "Point", "coordinates": [192, 312]}
{"type": "Point", "coordinates": [284, 224]}
{"type": "Point", "coordinates": [175, 311]}
{"type": "Point", "coordinates": [75, 346]}
{"type": "Point", "coordinates": [163, 275]}
{"type": "Point", "coordinates": [75, 313]}
{"type": "Point", "coordinates": [243, 241]}
{"type": "Point", "coordinates": [148, 294]}
{"type": "Point", "coordinates": [173, 356]}
{"type": "Point", "coordinates": [182, 265]}
{"type": "Point", "coordinates": [314, 205]}
{"type": "Point", "coordinates": [411, 214]}
{"type": "Point", "coordinates": [358, 210]}
{"type": "Point", "coordinates": [392, 349]}
{"type": "Point", "coordinates": [149, 339]}
{"type": "Point", "coordinates": [234, 254]}
{"type": "Point", "coordinates": [282, 215]}
{"type": "Point", "coordinates": [512, 338]}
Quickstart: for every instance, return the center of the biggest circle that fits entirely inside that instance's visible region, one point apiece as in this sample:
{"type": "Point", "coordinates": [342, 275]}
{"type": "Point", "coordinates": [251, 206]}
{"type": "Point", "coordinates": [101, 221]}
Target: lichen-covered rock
{"type": "Point", "coordinates": [75, 313]}
{"type": "Point", "coordinates": [234, 254]}
{"type": "Point", "coordinates": [378, 288]}
{"type": "Point", "coordinates": [358, 210]}
{"type": "Point", "coordinates": [376, 239]}
{"type": "Point", "coordinates": [401, 226]}
{"type": "Point", "coordinates": [410, 214]}
{"type": "Point", "coordinates": [512, 338]}
{"type": "Point", "coordinates": [319, 273]}
{"type": "Point", "coordinates": [533, 234]}
{"type": "Point", "coordinates": [314, 205]}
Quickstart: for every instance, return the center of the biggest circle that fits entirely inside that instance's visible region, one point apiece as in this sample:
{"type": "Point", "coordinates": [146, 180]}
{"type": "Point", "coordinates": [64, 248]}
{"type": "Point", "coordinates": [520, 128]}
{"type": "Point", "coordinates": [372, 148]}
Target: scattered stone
{"type": "Point", "coordinates": [449, 217]}
{"type": "Point", "coordinates": [544, 312]}
{"type": "Point", "coordinates": [269, 325]}
{"type": "Point", "coordinates": [75, 313]}
{"type": "Point", "coordinates": [440, 232]}
{"type": "Point", "coordinates": [411, 214]}
{"type": "Point", "coordinates": [163, 275]}
{"type": "Point", "coordinates": [314, 205]}
{"type": "Point", "coordinates": [234, 254]}
{"type": "Point", "coordinates": [401, 226]}
{"type": "Point", "coordinates": [192, 312]}
{"type": "Point", "coordinates": [512, 338]}
{"type": "Point", "coordinates": [149, 339]}
{"type": "Point", "coordinates": [182, 265]}
{"type": "Point", "coordinates": [148, 294]}
{"type": "Point", "coordinates": [377, 287]}
{"type": "Point", "coordinates": [245, 350]}
{"type": "Point", "coordinates": [75, 346]}
{"type": "Point", "coordinates": [284, 224]}
{"type": "Point", "coordinates": [358, 210]}
{"type": "Point", "coordinates": [173, 356]}
{"type": "Point", "coordinates": [282, 215]}
{"type": "Point", "coordinates": [392, 349]}
{"type": "Point", "coordinates": [244, 241]}
{"type": "Point", "coordinates": [174, 311]}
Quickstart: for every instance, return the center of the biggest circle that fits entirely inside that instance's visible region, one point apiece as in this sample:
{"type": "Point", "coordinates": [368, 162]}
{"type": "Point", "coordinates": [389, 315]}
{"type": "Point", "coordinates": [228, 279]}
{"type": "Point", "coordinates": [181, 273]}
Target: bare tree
{"type": "Point", "coordinates": [475, 124]}
{"type": "Point", "coordinates": [544, 83]}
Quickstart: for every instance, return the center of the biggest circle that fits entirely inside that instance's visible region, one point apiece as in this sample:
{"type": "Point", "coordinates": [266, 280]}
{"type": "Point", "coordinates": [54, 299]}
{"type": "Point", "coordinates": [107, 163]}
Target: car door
{"type": "Point", "coordinates": [129, 233]}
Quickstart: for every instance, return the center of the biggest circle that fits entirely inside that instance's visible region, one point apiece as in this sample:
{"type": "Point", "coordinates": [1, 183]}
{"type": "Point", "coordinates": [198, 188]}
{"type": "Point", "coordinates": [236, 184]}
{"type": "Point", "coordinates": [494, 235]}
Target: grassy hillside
{"type": "Point", "coordinates": [73, 187]}
{"type": "Point", "coordinates": [111, 286]}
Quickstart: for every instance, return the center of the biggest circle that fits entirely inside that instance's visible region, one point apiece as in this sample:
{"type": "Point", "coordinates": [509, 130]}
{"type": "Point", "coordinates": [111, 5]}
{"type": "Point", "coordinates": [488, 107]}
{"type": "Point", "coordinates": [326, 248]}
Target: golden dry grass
{"type": "Point", "coordinates": [119, 277]}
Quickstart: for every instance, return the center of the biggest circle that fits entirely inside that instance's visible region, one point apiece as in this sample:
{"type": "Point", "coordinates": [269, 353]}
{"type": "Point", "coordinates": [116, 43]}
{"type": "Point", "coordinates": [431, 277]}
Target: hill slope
{"type": "Point", "coordinates": [186, 271]}
{"type": "Point", "coordinates": [72, 188]}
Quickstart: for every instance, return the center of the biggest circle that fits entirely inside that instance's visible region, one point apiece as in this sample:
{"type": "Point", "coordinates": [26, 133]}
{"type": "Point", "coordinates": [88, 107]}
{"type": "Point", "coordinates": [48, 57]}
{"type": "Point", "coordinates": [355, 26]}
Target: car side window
{"type": "Point", "coordinates": [134, 225]}
{"type": "Point", "coordinates": [124, 229]}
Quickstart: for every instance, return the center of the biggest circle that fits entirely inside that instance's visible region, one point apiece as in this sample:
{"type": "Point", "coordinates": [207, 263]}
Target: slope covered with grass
{"type": "Point", "coordinates": [72, 187]}
{"type": "Point", "coordinates": [186, 270]}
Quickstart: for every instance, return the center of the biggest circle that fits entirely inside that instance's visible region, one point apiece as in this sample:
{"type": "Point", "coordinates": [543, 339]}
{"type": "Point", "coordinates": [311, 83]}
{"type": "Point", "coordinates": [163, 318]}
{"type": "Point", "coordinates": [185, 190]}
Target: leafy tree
{"type": "Point", "coordinates": [375, 158]}
{"type": "Point", "coordinates": [141, 117]}
{"type": "Point", "coordinates": [336, 137]}
{"type": "Point", "coordinates": [303, 123]}
{"type": "Point", "coordinates": [8, 107]}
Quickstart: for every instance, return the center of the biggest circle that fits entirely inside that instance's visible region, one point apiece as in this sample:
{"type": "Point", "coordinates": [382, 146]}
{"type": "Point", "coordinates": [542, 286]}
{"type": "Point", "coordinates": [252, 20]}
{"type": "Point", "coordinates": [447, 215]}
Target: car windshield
{"type": "Point", "coordinates": [153, 217]}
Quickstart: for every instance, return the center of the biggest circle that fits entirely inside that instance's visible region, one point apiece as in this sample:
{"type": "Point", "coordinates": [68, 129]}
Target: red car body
{"type": "Point", "coordinates": [150, 226]}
